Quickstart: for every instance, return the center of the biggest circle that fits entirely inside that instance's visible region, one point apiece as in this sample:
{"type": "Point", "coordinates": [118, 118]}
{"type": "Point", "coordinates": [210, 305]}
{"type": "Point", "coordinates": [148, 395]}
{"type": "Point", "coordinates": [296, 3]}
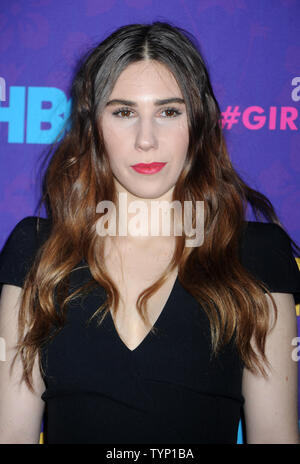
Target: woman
{"type": "Point", "coordinates": [143, 339]}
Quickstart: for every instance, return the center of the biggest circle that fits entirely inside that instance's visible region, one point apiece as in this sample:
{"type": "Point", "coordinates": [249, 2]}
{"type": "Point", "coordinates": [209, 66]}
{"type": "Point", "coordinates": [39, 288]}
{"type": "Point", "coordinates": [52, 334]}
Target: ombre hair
{"type": "Point", "coordinates": [79, 176]}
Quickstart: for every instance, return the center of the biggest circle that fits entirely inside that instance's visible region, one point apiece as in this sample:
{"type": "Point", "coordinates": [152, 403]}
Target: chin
{"type": "Point", "coordinates": [146, 192]}
{"type": "Point", "coordinates": [147, 195]}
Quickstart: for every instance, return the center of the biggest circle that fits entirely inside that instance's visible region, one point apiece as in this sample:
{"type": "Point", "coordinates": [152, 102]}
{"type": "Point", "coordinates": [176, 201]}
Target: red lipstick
{"type": "Point", "coordinates": [148, 168]}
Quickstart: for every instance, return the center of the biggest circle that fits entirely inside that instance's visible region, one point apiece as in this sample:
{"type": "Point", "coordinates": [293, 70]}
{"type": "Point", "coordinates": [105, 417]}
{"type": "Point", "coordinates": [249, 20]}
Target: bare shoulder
{"type": "Point", "coordinates": [21, 410]}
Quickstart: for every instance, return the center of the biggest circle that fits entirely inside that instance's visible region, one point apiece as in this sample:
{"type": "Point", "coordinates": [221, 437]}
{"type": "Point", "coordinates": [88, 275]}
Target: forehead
{"type": "Point", "coordinates": [144, 77]}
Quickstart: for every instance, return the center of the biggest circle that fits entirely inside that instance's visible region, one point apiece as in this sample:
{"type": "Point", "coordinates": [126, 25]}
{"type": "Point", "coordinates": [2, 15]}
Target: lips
{"type": "Point", "coordinates": [148, 168]}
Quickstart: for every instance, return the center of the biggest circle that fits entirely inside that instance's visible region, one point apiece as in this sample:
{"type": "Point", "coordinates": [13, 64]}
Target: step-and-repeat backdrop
{"type": "Point", "coordinates": [252, 51]}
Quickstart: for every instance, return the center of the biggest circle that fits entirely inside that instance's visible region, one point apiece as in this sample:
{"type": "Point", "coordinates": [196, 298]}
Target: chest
{"type": "Point", "coordinates": [134, 270]}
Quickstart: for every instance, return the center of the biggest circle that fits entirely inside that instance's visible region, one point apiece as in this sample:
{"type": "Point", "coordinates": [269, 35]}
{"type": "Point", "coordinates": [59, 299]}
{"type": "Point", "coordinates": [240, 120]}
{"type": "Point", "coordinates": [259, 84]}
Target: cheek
{"type": "Point", "coordinates": [114, 143]}
{"type": "Point", "coordinates": [110, 135]}
{"type": "Point", "coordinates": [180, 143]}
{"type": "Point", "coordinates": [179, 133]}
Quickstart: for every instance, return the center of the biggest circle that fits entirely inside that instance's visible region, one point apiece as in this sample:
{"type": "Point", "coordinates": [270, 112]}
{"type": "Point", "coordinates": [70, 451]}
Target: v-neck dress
{"type": "Point", "coordinates": [169, 389]}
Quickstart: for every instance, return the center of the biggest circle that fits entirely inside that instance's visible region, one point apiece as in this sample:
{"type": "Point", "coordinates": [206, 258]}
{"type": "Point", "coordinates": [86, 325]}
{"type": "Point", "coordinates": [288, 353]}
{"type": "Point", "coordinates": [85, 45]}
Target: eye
{"type": "Point", "coordinates": [122, 113]}
{"type": "Point", "coordinates": [171, 112]}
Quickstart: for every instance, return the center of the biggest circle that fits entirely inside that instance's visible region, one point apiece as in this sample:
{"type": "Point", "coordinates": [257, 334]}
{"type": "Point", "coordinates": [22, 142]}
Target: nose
{"type": "Point", "coordinates": [145, 137]}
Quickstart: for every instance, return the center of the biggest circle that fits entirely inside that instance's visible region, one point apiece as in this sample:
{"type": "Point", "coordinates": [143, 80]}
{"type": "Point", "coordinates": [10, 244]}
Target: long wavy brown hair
{"type": "Point", "coordinates": [78, 176]}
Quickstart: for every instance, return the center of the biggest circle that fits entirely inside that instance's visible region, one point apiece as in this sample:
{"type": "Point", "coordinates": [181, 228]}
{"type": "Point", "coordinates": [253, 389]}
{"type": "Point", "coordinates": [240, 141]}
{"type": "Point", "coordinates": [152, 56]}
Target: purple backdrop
{"type": "Point", "coordinates": [252, 51]}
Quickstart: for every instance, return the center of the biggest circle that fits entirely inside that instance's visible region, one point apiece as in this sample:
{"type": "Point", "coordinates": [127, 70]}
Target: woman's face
{"type": "Point", "coordinates": [140, 126]}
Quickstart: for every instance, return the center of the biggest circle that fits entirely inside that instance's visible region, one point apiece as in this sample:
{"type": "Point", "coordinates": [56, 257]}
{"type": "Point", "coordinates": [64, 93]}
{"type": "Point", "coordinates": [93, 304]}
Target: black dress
{"type": "Point", "coordinates": [168, 389]}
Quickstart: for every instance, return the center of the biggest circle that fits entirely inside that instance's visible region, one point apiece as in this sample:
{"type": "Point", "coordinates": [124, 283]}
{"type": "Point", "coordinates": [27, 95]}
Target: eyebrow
{"type": "Point", "coordinates": [166, 101]}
